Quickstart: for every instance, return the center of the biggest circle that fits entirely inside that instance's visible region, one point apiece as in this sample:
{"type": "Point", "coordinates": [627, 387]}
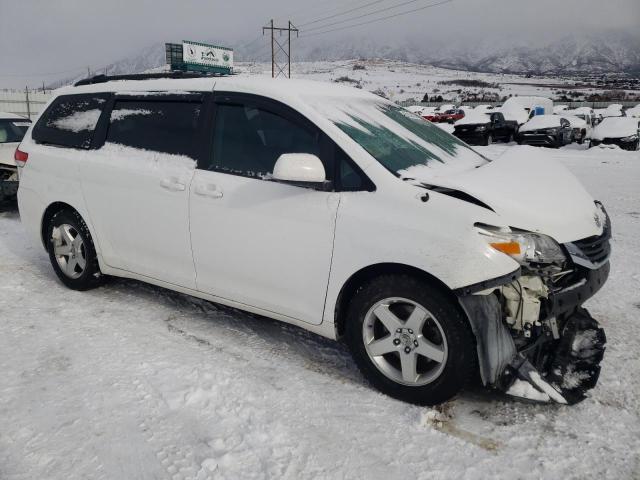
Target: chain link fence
{"type": "Point", "coordinates": [27, 103]}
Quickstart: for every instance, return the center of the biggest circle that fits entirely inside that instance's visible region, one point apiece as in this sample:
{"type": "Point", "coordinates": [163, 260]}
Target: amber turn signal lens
{"type": "Point", "coordinates": [510, 248]}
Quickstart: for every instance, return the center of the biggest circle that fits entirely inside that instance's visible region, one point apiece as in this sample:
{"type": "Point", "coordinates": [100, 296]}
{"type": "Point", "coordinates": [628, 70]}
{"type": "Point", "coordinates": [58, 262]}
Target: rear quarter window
{"type": "Point", "coordinates": [166, 126]}
{"type": "Point", "coordinates": [70, 120]}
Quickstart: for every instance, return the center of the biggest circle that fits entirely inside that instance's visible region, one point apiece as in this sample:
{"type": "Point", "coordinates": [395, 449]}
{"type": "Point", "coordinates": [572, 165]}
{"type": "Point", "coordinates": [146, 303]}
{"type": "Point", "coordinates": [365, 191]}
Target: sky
{"type": "Point", "coordinates": [45, 40]}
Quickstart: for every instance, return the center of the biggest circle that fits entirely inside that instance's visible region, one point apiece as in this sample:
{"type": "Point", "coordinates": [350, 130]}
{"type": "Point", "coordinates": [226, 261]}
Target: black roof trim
{"type": "Point", "coordinates": [146, 76]}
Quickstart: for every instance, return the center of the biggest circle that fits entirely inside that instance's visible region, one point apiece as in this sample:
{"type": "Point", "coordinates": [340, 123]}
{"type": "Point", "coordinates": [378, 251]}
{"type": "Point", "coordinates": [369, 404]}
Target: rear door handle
{"type": "Point", "coordinates": [172, 184]}
{"type": "Point", "coordinates": [208, 190]}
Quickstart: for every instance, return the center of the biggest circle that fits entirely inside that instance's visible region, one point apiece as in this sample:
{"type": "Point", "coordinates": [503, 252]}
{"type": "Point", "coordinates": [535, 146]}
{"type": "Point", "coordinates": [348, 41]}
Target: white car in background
{"type": "Point", "coordinates": [333, 209]}
{"type": "Point", "coordinates": [12, 129]}
{"type": "Point", "coordinates": [621, 131]}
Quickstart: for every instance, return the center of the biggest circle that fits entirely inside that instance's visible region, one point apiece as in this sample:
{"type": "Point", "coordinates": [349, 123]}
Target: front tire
{"type": "Point", "coordinates": [71, 251]}
{"type": "Point", "coordinates": [410, 340]}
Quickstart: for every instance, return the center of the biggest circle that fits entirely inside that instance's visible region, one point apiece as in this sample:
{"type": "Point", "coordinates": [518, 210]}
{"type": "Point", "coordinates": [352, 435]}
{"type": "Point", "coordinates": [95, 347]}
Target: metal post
{"type": "Point", "coordinates": [273, 53]}
{"type": "Point", "coordinates": [289, 48]}
{"type": "Point", "coordinates": [26, 96]}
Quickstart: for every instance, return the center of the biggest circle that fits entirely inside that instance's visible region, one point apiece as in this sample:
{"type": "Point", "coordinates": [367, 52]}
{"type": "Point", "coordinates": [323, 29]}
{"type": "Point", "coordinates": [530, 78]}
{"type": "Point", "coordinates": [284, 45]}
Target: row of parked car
{"type": "Point", "coordinates": [535, 121]}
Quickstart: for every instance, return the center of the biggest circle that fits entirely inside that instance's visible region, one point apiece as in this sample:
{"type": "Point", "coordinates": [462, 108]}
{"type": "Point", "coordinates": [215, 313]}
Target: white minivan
{"type": "Point", "coordinates": [332, 209]}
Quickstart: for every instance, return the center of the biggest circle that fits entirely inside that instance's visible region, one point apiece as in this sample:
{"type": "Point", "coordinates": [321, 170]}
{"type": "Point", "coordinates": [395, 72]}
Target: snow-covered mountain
{"type": "Point", "coordinates": [585, 54]}
{"type": "Point", "coordinates": [591, 53]}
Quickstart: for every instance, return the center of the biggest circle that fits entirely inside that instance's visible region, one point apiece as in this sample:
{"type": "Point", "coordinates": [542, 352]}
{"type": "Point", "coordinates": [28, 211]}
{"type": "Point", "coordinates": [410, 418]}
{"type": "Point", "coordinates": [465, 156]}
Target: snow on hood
{"type": "Point", "coordinates": [472, 117]}
{"type": "Point", "coordinates": [615, 127]}
{"type": "Point", "coordinates": [511, 186]}
{"type": "Point", "coordinates": [633, 112]}
{"type": "Point", "coordinates": [540, 122]}
{"type": "Point", "coordinates": [576, 122]}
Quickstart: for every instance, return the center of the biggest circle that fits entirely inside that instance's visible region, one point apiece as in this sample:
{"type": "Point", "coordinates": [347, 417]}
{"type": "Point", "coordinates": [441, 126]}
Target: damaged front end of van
{"type": "Point", "coordinates": [535, 340]}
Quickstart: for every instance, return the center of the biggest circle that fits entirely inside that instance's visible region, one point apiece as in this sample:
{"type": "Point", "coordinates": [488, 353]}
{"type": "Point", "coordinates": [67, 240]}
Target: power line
{"type": "Point", "coordinates": [377, 19]}
{"type": "Point", "coordinates": [342, 13]}
{"type": "Point", "coordinates": [398, 5]}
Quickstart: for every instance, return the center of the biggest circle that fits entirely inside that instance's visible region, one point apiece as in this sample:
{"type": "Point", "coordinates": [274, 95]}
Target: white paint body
{"type": "Point", "coordinates": [286, 251]}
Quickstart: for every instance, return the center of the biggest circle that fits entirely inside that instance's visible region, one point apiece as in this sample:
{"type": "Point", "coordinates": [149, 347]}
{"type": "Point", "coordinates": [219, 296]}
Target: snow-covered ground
{"type": "Point", "coordinates": [400, 80]}
{"type": "Point", "coordinates": [132, 381]}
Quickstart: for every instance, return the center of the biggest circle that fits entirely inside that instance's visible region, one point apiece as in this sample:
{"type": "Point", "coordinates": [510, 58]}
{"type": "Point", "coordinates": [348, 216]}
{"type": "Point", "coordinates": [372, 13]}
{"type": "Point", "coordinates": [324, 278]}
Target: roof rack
{"type": "Point", "coordinates": [145, 76]}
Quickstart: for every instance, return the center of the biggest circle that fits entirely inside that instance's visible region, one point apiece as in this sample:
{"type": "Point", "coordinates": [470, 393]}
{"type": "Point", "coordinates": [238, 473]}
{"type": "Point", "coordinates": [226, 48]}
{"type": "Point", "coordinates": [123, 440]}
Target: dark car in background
{"type": "Point", "coordinates": [621, 131]}
{"type": "Point", "coordinates": [546, 131]}
{"type": "Point", "coordinates": [485, 128]}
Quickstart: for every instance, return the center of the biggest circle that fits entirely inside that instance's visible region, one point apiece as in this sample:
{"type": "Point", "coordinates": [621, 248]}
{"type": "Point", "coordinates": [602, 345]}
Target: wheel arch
{"type": "Point", "coordinates": [359, 278]}
{"type": "Point", "coordinates": [48, 214]}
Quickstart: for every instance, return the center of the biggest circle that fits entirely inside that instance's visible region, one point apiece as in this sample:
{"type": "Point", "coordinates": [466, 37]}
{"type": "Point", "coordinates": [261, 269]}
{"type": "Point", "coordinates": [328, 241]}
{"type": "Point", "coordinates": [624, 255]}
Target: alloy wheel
{"type": "Point", "coordinates": [69, 250]}
{"type": "Point", "coordinates": [405, 341]}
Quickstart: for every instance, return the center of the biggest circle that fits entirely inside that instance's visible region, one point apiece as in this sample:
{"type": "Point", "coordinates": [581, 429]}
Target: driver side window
{"type": "Point", "coordinates": [248, 140]}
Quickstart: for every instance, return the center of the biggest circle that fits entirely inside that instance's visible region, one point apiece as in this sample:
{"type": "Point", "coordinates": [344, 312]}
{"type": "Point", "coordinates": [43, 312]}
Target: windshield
{"type": "Point", "coordinates": [12, 130]}
{"type": "Point", "coordinates": [405, 144]}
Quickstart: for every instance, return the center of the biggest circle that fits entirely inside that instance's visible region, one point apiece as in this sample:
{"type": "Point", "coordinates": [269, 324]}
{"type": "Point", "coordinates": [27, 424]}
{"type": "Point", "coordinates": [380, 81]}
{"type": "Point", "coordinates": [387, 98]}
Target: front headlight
{"type": "Point", "coordinates": [481, 128]}
{"type": "Point", "coordinates": [551, 131]}
{"type": "Point", "coordinates": [523, 247]}
{"type": "Point", "coordinates": [630, 138]}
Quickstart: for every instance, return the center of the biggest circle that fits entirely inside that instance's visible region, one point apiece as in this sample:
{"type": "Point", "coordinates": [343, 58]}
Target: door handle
{"type": "Point", "coordinates": [208, 190]}
{"type": "Point", "coordinates": [172, 184]}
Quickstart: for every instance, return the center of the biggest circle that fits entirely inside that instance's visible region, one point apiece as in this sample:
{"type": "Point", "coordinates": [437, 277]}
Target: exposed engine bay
{"type": "Point", "coordinates": [535, 340]}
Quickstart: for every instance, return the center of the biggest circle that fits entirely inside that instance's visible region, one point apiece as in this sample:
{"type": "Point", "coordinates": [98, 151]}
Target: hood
{"type": "Point", "coordinates": [616, 127]}
{"type": "Point", "coordinates": [541, 122]}
{"type": "Point", "coordinates": [474, 118]}
{"type": "Point", "coordinates": [531, 192]}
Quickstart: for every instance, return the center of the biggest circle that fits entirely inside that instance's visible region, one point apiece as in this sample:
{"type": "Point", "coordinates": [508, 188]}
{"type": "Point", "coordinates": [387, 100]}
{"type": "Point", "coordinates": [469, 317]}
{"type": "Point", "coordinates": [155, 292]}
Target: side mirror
{"type": "Point", "coordinates": [299, 168]}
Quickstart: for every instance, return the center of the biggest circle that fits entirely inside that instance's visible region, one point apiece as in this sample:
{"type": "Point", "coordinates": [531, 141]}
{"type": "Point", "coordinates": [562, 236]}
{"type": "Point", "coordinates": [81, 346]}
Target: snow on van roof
{"type": "Point", "coordinates": [279, 87]}
{"type": "Point", "coordinates": [615, 127]}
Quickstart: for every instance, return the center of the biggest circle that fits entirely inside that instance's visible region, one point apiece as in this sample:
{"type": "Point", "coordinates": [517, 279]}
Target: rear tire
{"type": "Point", "coordinates": [427, 366]}
{"type": "Point", "coordinates": [71, 251]}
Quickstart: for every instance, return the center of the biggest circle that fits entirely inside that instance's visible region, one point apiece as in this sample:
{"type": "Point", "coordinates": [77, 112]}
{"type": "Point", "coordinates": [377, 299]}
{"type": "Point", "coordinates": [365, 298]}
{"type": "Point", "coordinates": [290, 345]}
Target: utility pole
{"type": "Point", "coordinates": [88, 72]}
{"type": "Point", "coordinates": [287, 52]}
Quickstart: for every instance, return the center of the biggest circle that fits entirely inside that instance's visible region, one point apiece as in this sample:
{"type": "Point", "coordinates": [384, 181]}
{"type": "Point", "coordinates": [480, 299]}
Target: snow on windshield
{"type": "Point", "coordinates": [78, 121]}
{"type": "Point", "coordinates": [405, 144]}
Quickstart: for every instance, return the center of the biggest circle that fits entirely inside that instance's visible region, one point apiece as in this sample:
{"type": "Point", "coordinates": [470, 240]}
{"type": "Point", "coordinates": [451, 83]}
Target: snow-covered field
{"type": "Point", "coordinates": [132, 381]}
{"type": "Point", "coordinates": [400, 80]}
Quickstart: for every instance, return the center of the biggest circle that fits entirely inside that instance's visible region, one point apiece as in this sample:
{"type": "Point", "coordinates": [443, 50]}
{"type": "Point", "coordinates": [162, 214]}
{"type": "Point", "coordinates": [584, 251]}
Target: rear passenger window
{"type": "Point", "coordinates": [70, 120]}
{"type": "Point", "coordinates": [160, 126]}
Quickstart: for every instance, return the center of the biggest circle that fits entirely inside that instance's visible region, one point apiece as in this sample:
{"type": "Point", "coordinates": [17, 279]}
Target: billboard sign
{"type": "Point", "coordinates": [195, 53]}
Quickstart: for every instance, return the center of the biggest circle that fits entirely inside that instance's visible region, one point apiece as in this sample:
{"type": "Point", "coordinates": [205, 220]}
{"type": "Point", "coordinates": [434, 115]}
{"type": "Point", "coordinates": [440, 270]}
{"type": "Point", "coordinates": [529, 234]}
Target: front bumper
{"type": "Point", "coordinates": [562, 363]}
{"type": "Point", "coordinates": [615, 141]}
{"type": "Point", "coordinates": [539, 139]}
{"type": "Point", "coordinates": [586, 284]}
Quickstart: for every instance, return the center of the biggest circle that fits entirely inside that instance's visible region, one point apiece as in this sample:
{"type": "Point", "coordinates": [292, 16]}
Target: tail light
{"type": "Point", "coordinates": [20, 157]}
